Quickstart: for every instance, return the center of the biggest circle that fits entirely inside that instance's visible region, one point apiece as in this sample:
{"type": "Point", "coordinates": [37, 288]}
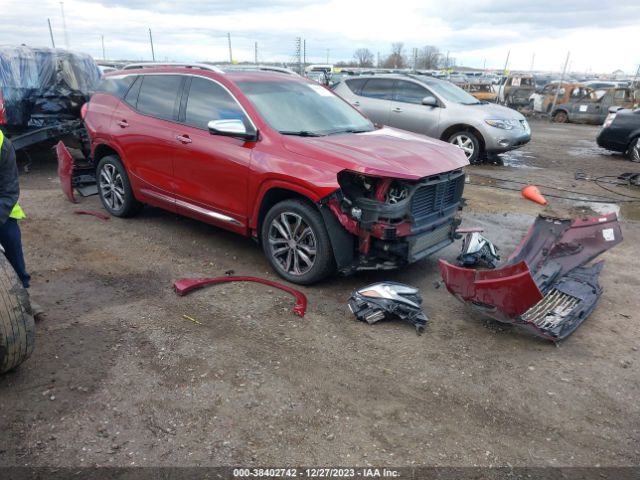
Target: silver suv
{"type": "Point", "coordinates": [439, 109]}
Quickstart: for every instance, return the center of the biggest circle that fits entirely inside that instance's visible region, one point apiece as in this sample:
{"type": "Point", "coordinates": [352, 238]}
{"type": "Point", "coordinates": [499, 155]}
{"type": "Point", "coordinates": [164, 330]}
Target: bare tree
{"type": "Point", "coordinates": [429, 58]}
{"type": "Point", "coordinates": [396, 59]}
{"type": "Point", "coordinates": [363, 57]}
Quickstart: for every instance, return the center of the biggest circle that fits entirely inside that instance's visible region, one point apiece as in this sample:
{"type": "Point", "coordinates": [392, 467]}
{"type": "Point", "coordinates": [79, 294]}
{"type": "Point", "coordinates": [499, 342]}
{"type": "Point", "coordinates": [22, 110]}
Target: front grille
{"type": "Point", "coordinates": [431, 201]}
{"type": "Point", "coordinates": [552, 310]}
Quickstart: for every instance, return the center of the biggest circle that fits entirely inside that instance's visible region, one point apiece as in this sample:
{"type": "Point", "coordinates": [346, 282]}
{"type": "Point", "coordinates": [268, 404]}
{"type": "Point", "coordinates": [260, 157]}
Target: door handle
{"type": "Point", "coordinates": [397, 110]}
{"type": "Point", "coordinates": [356, 103]}
{"type": "Point", "coordinates": [123, 123]}
{"type": "Point", "coordinates": [183, 139]}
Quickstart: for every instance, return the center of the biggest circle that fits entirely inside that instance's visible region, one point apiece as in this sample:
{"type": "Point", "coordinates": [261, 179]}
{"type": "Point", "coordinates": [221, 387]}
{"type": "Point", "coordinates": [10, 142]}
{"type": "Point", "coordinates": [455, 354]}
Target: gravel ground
{"type": "Point", "coordinates": [119, 377]}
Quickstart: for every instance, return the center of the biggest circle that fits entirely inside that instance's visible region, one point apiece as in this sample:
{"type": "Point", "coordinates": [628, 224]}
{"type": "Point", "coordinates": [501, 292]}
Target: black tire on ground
{"type": "Point", "coordinates": [299, 221]}
{"type": "Point", "coordinates": [561, 117]}
{"type": "Point", "coordinates": [634, 150]}
{"type": "Point", "coordinates": [469, 143]}
{"type": "Point", "coordinates": [114, 188]}
{"type": "Point", "coordinates": [17, 328]}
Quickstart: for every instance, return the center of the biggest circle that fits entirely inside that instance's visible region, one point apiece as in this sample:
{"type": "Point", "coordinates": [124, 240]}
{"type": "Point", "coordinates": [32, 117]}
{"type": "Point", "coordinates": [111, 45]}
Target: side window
{"type": "Point", "coordinates": [117, 86]}
{"type": "Point", "coordinates": [381, 88]}
{"type": "Point", "coordinates": [409, 92]}
{"type": "Point", "coordinates": [132, 95]}
{"type": "Point", "coordinates": [355, 85]}
{"type": "Point", "coordinates": [210, 101]}
{"type": "Point", "coordinates": [158, 94]}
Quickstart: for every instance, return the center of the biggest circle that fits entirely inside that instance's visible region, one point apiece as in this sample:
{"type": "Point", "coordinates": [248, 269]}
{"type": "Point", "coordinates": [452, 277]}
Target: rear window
{"type": "Point", "coordinates": [117, 86]}
{"type": "Point", "coordinates": [158, 95]}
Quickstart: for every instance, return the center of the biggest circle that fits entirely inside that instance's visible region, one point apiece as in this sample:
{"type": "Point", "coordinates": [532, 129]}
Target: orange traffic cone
{"type": "Point", "coordinates": [531, 192]}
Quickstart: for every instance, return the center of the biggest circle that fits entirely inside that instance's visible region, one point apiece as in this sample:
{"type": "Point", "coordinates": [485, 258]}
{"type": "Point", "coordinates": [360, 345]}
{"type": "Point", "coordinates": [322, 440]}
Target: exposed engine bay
{"type": "Point", "coordinates": [396, 221]}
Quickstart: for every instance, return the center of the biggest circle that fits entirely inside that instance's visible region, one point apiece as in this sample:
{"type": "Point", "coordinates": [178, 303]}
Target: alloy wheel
{"type": "Point", "coordinates": [292, 243]}
{"type": "Point", "coordinates": [112, 187]}
{"type": "Point", "coordinates": [465, 143]}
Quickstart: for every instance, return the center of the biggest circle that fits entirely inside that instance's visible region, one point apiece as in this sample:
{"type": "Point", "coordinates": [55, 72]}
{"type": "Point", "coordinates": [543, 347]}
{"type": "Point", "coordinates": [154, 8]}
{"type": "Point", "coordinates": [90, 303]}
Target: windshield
{"type": "Point", "coordinates": [452, 93]}
{"type": "Point", "coordinates": [301, 108]}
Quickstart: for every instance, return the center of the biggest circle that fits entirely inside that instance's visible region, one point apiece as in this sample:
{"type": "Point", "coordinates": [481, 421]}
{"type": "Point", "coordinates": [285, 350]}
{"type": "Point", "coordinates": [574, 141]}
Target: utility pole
{"type": "Point", "coordinates": [447, 61]}
{"type": "Point", "coordinates": [230, 52]}
{"type": "Point", "coordinates": [304, 53]}
{"type": "Point", "coordinates": [298, 55]}
{"type": "Point", "coordinates": [415, 59]}
{"type": "Point", "coordinates": [153, 53]}
{"type": "Point", "coordinates": [255, 54]}
{"type": "Point", "coordinates": [104, 56]}
{"type": "Point", "coordinates": [484, 66]}
{"type": "Point", "coordinates": [64, 26]}
{"type": "Point", "coordinates": [328, 52]}
{"type": "Point", "coordinates": [378, 62]}
{"type": "Point", "coordinates": [53, 43]}
{"type": "Point", "coordinates": [506, 63]}
{"type": "Point", "coordinates": [533, 58]}
{"type": "Point", "coordinates": [564, 70]}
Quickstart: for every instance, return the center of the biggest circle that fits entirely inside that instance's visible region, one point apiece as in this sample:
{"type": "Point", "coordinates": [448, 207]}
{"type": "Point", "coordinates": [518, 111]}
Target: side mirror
{"type": "Point", "coordinates": [430, 101]}
{"type": "Point", "coordinates": [231, 128]}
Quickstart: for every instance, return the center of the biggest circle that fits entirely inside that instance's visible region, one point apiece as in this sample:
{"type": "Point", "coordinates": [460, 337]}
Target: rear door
{"type": "Point", "coordinates": [211, 171]}
{"type": "Point", "coordinates": [375, 99]}
{"type": "Point", "coordinates": [143, 127]}
{"type": "Point", "coordinates": [407, 111]}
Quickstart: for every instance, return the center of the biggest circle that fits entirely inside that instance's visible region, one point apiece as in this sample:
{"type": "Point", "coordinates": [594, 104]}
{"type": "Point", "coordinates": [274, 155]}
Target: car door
{"type": "Point", "coordinates": [374, 99]}
{"type": "Point", "coordinates": [407, 111]}
{"type": "Point", "coordinates": [143, 128]}
{"type": "Point", "coordinates": [211, 171]}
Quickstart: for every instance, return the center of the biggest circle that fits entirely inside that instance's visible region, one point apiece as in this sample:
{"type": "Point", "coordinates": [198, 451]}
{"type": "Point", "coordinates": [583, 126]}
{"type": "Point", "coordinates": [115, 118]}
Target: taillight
{"type": "Point", "coordinates": [83, 110]}
{"type": "Point", "coordinates": [3, 114]}
{"type": "Point", "coordinates": [609, 120]}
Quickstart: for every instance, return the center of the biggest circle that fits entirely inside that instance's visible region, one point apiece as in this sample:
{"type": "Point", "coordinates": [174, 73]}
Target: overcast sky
{"type": "Point", "coordinates": [601, 36]}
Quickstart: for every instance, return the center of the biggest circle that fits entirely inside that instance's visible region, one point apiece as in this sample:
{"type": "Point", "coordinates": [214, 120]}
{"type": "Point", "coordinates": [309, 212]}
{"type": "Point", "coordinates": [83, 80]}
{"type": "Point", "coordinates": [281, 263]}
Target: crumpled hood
{"type": "Point", "coordinates": [384, 152]}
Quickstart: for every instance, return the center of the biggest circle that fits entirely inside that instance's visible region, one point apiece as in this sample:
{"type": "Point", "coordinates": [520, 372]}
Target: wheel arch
{"type": "Point", "coordinates": [463, 127]}
{"type": "Point", "coordinates": [102, 150]}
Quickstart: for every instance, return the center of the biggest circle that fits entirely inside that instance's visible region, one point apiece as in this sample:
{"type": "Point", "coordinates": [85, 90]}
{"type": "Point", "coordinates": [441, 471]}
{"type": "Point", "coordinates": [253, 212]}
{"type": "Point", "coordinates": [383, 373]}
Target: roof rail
{"type": "Point", "coordinates": [267, 68]}
{"type": "Point", "coordinates": [202, 66]}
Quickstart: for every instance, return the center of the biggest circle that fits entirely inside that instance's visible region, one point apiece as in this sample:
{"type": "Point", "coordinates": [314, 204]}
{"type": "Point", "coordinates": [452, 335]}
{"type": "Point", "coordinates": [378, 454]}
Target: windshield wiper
{"type": "Point", "coordinates": [301, 133]}
{"type": "Point", "coordinates": [349, 130]}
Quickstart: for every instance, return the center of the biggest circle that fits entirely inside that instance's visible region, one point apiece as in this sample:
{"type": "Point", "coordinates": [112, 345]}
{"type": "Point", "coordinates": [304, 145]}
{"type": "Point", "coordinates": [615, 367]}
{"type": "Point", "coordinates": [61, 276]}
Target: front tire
{"type": "Point", "coordinates": [115, 189]}
{"type": "Point", "coordinates": [296, 243]}
{"type": "Point", "coordinates": [634, 150]}
{"type": "Point", "coordinates": [469, 144]}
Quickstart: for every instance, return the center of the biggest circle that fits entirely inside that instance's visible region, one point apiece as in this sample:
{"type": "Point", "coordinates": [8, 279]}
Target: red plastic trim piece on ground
{"type": "Point", "coordinates": [187, 285]}
{"type": "Point", "coordinates": [65, 170]}
{"type": "Point", "coordinates": [100, 215]}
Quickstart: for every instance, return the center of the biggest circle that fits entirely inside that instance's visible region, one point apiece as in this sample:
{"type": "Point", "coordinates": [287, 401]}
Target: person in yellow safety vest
{"type": "Point", "coordinates": [10, 211]}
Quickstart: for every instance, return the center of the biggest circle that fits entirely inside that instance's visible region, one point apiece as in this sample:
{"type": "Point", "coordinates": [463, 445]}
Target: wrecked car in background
{"type": "Point", "coordinates": [546, 285]}
{"type": "Point", "coordinates": [515, 90]}
{"type": "Point", "coordinates": [42, 91]}
{"type": "Point", "coordinates": [567, 92]}
{"type": "Point", "coordinates": [273, 156]}
{"type": "Point", "coordinates": [482, 90]}
{"type": "Point", "coordinates": [594, 110]}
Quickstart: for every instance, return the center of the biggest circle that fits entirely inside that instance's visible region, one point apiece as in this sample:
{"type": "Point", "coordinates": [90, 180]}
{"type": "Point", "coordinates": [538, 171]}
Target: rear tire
{"type": "Point", "coordinates": [296, 243]}
{"type": "Point", "coordinates": [17, 328]}
{"type": "Point", "coordinates": [115, 189]}
{"type": "Point", "coordinates": [561, 117]}
{"type": "Point", "coordinates": [469, 144]}
{"type": "Point", "coordinates": [634, 150]}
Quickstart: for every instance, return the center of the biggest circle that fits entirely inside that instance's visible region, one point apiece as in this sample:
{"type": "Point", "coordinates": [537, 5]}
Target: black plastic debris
{"type": "Point", "coordinates": [388, 300]}
{"type": "Point", "coordinates": [478, 252]}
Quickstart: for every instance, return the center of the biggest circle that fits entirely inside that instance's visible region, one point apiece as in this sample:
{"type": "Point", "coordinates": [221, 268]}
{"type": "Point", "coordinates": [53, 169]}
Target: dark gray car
{"type": "Point", "coordinates": [439, 109]}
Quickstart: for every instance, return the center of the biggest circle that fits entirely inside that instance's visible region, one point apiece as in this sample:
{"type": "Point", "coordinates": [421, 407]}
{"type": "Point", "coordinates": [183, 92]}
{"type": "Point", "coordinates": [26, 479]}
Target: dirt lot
{"type": "Point", "coordinates": [119, 377]}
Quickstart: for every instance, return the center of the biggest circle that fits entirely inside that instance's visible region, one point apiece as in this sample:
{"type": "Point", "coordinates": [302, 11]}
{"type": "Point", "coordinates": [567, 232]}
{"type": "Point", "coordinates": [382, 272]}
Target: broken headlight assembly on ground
{"type": "Point", "coordinates": [477, 251]}
{"type": "Point", "coordinates": [545, 286]}
{"type": "Point", "coordinates": [388, 300]}
{"type": "Point", "coordinates": [395, 221]}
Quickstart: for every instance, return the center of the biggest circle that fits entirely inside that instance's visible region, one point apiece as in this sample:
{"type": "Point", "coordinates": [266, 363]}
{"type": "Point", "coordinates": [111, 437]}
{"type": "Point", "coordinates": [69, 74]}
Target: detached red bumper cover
{"type": "Point", "coordinates": [545, 285]}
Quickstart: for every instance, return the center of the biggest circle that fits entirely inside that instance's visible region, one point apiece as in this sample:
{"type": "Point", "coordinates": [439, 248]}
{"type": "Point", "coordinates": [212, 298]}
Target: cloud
{"type": "Point", "coordinates": [471, 31]}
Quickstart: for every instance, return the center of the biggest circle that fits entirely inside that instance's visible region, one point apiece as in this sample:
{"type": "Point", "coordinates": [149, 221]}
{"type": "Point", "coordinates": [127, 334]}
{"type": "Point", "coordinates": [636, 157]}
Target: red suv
{"type": "Point", "coordinates": [277, 157]}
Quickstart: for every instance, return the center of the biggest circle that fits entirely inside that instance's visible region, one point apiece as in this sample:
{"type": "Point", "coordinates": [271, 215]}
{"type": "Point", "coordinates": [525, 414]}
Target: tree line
{"type": "Point", "coordinates": [427, 58]}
